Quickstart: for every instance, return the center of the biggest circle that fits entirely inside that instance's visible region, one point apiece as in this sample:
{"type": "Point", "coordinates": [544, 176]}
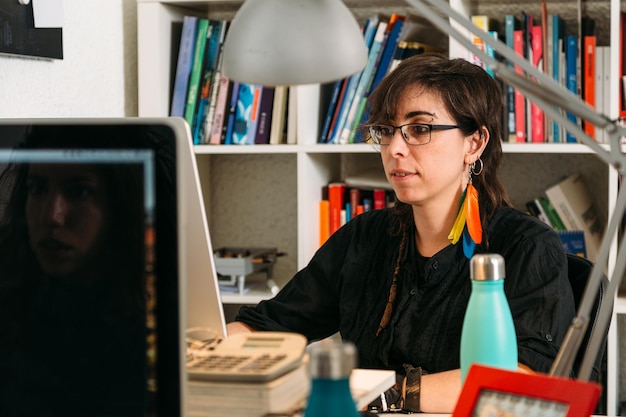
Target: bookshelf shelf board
{"type": "Point", "coordinates": [547, 148]}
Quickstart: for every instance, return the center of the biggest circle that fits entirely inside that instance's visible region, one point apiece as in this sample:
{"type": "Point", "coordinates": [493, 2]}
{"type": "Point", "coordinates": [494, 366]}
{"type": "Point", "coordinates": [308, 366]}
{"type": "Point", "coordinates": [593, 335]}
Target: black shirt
{"type": "Point", "coordinates": [346, 285]}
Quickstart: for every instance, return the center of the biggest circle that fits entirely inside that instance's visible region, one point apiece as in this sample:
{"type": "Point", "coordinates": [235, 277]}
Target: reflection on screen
{"type": "Point", "coordinates": [87, 271]}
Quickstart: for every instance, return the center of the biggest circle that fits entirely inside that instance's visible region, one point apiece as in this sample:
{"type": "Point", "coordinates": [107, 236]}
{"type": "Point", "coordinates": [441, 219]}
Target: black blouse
{"type": "Point", "coordinates": [346, 285]}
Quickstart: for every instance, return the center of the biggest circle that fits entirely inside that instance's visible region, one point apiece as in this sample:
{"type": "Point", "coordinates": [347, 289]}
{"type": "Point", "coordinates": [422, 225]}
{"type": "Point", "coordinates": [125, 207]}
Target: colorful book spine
{"type": "Point", "coordinates": [520, 100]}
{"type": "Point", "coordinates": [262, 135]}
{"type": "Point", "coordinates": [387, 56]}
{"type": "Point", "coordinates": [196, 72]}
{"type": "Point", "coordinates": [558, 29]}
{"type": "Point", "coordinates": [232, 111]}
{"type": "Point", "coordinates": [589, 82]}
{"type": "Point", "coordinates": [511, 23]}
{"type": "Point", "coordinates": [245, 98]}
{"type": "Point", "coordinates": [571, 71]}
{"type": "Point", "coordinates": [183, 66]}
{"type": "Point", "coordinates": [336, 201]}
{"type": "Point", "coordinates": [537, 123]}
{"type": "Point", "coordinates": [363, 85]}
{"type": "Point", "coordinates": [253, 118]}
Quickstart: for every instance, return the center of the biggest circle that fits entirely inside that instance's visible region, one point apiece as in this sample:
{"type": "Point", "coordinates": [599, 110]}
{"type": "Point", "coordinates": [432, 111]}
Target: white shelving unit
{"type": "Point", "coordinates": [267, 195]}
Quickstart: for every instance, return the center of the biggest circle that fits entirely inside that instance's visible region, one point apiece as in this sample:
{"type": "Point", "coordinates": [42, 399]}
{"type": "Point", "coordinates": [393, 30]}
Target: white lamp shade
{"type": "Point", "coordinates": [286, 42]}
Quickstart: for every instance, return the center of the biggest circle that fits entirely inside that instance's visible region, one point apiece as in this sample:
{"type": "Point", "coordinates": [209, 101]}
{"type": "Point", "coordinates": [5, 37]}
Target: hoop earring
{"type": "Point", "coordinates": [473, 167]}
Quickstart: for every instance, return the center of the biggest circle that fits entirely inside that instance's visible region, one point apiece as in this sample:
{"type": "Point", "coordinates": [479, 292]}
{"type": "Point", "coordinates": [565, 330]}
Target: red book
{"type": "Point", "coordinates": [380, 199]}
{"type": "Point", "coordinates": [520, 100]}
{"type": "Point", "coordinates": [336, 191]}
{"type": "Point", "coordinates": [324, 221]}
{"type": "Point", "coordinates": [589, 78]}
{"type": "Point", "coordinates": [537, 119]}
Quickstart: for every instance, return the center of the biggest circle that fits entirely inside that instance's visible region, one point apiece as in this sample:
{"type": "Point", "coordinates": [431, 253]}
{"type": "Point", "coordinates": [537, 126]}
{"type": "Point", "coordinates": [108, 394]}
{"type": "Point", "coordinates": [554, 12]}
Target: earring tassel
{"type": "Point", "coordinates": [459, 224]}
{"type": "Point", "coordinates": [467, 222]}
{"type": "Point", "coordinates": [474, 227]}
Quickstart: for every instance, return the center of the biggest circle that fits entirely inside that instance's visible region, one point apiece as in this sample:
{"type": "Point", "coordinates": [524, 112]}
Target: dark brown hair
{"type": "Point", "coordinates": [470, 95]}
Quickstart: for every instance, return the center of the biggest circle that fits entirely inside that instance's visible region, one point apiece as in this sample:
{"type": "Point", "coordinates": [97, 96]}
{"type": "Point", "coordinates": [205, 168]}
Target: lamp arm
{"type": "Point", "coordinates": [550, 96]}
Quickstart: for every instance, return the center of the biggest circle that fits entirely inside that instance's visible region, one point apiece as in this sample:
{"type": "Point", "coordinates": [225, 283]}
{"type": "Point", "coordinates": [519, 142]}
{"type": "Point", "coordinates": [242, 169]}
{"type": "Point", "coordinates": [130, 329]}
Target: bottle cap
{"type": "Point", "coordinates": [487, 267]}
{"type": "Point", "coordinates": [329, 360]}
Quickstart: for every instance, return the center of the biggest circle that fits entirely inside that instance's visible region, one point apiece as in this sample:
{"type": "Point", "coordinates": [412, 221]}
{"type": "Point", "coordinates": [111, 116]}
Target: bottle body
{"type": "Point", "coordinates": [330, 398]}
{"type": "Point", "coordinates": [330, 366]}
{"type": "Point", "coordinates": [488, 334]}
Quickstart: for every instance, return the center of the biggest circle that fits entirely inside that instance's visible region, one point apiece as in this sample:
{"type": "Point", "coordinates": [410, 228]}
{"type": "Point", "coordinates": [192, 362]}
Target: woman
{"type": "Point", "coordinates": [396, 281]}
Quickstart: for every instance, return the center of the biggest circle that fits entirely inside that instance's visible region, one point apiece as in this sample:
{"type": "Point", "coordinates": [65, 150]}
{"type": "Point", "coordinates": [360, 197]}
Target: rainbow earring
{"type": "Point", "coordinates": [467, 222]}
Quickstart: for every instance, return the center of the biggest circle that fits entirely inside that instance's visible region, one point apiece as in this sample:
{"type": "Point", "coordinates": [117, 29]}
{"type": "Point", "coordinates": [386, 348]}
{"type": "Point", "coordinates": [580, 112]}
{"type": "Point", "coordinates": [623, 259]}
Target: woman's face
{"type": "Point", "coordinates": [430, 175]}
{"type": "Point", "coordinates": [68, 217]}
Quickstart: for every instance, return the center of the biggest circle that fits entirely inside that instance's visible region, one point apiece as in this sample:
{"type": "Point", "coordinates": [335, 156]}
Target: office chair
{"type": "Point", "coordinates": [579, 270]}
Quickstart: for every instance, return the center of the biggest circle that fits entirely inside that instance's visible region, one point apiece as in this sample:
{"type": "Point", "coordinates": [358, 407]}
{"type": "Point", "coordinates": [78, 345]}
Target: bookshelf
{"type": "Point", "coordinates": [267, 195]}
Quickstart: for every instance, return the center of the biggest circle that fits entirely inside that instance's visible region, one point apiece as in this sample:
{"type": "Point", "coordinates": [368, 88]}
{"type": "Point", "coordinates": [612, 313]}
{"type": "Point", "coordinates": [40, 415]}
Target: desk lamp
{"type": "Point", "coordinates": [538, 87]}
{"type": "Point", "coordinates": [285, 42]}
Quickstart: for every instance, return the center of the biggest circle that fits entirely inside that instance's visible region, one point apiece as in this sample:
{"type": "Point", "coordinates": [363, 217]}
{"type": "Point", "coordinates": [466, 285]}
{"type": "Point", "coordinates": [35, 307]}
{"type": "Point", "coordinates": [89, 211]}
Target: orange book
{"type": "Point", "coordinates": [589, 78]}
{"type": "Point", "coordinates": [324, 221]}
{"type": "Point", "coordinates": [336, 191]}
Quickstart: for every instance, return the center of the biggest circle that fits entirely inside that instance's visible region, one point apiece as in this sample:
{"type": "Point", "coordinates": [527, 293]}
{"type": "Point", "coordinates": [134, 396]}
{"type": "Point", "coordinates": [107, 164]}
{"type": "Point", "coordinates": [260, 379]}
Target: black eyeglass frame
{"type": "Point", "coordinates": [430, 127]}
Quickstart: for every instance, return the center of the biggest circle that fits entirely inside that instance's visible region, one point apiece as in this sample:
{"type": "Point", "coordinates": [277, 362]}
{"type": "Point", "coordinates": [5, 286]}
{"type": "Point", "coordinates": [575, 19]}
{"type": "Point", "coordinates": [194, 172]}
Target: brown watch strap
{"type": "Point", "coordinates": [411, 388]}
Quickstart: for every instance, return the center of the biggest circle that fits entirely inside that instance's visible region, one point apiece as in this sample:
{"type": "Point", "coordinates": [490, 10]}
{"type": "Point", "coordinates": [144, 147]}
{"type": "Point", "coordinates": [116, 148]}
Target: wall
{"type": "Point", "coordinates": [97, 76]}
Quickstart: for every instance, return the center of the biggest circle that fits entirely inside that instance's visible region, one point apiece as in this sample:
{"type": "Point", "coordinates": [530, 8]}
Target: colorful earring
{"type": "Point", "coordinates": [467, 223]}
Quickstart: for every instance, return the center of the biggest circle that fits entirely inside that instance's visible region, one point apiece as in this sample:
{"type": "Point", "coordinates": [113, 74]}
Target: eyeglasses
{"type": "Point", "coordinates": [413, 133]}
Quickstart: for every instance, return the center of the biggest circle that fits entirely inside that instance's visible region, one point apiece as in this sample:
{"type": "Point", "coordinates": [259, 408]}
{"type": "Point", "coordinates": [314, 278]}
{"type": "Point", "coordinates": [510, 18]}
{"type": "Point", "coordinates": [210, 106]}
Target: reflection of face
{"type": "Point", "coordinates": [67, 216]}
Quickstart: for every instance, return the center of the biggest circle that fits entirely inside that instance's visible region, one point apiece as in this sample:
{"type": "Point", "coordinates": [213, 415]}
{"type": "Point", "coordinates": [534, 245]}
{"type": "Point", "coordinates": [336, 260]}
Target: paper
{"type": "Point", "coordinates": [48, 13]}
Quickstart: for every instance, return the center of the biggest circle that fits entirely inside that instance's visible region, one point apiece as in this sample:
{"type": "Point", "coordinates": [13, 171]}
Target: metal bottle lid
{"type": "Point", "coordinates": [487, 267]}
{"type": "Point", "coordinates": [329, 360]}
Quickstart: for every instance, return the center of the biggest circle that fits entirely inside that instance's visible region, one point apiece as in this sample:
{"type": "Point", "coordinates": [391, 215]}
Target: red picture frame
{"type": "Point", "coordinates": [491, 392]}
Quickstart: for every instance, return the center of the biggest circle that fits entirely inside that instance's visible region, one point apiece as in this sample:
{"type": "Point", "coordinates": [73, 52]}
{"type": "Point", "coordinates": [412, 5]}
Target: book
{"type": "Point", "coordinates": [336, 202]}
{"type": "Point", "coordinates": [221, 108]}
{"type": "Point", "coordinates": [573, 202]}
{"type": "Point", "coordinates": [511, 24]}
{"type": "Point", "coordinates": [353, 116]}
{"type": "Point", "coordinates": [589, 78]}
{"type": "Point", "coordinates": [353, 81]}
{"type": "Point", "coordinates": [183, 66]}
{"type": "Point", "coordinates": [330, 111]}
{"type": "Point", "coordinates": [535, 209]}
{"type": "Point", "coordinates": [573, 242]}
{"type": "Point", "coordinates": [284, 394]}
{"type": "Point", "coordinates": [520, 100]}
{"type": "Point", "coordinates": [262, 135]}
{"type": "Point", "coordinates": [292, 115]}
{"type": "Point", "coordinates": [279, 111]}
{"type": "Point", "coordinates": [571, 76]}
{"type": "Point", "coordinates": [485, 23]}
{"type": "Point", "coordinates": [245, 99]}
{"type": "Point", "coordinates": [395, 26]}
{"type": "Point", "coordinates": [324, 216]}
{"type": "Point", "coordinates": [537, 117]}
{"type": "Point", "coordinates": [231, 112]}
{"type": "Point", "coordinates": [557, 53]}
{"type": "Point", "coordinates": [551, 213]}
{"type": "Point", "coordinates": [253, 118]}
{"type": "Point", "coordinates": [216, 80]}
{"type": "Point", "coordinates": [308, 113]}
{"type": "Point", "coordinates": [196, 72]}
{"type": "Point", "coordinates": [380, 199]}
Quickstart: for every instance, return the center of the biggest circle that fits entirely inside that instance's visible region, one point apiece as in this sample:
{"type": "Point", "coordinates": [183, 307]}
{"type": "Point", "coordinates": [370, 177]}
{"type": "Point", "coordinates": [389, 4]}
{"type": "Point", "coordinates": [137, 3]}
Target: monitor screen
{"type": "Point", "coordinates": [95, 266]}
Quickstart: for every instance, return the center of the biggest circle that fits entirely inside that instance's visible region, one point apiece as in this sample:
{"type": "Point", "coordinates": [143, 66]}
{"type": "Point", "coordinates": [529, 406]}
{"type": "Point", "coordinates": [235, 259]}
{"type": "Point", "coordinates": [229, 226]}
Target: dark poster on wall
{"type": "Point", "coordinates": [19, 36]}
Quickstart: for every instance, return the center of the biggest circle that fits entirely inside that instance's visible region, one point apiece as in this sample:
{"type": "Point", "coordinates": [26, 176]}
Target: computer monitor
{"type": "Point", "coordinates": [129, 360]}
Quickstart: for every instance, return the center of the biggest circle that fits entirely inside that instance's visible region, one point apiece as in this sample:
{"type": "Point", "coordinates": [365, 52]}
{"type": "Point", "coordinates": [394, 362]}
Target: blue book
{"type": "Point", "coordinates": [558, 32]}
{"type": "Point", "coordinates": [242, 114]}
{"type": "Point", "coordinates": [511, 24]}
{"type": "Point", "coordinates": [571, 73]}
{"type": "Point", "coordinates": [573, 242]}
{"type": "Point", "coordinates": [232, 110]}
{"type": "Point", "coordinates": [363, 85]}
{"type": "Point", "coordinates": [387, 56]}
{"type": "Point", "coordinates": [353, 81]}
{"type": "Point", "coordinates": [183, 66]}
{"type": "Point", "coordinates": [332, 105]}
{"type": "Point", "coordinates": [193, 90]}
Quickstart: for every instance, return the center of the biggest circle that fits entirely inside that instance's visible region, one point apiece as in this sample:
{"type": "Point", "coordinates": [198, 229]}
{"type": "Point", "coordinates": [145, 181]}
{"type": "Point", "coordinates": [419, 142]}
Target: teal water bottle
{"type": "Point", "coordinates": [488, 335]}
{"type": "Point", "coordinates": [330, 366]}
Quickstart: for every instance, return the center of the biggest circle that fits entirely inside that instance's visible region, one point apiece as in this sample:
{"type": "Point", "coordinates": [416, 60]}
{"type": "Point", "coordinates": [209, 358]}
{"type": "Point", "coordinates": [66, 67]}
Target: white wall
{"type": "Point", "coordinates": [97, 76]}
